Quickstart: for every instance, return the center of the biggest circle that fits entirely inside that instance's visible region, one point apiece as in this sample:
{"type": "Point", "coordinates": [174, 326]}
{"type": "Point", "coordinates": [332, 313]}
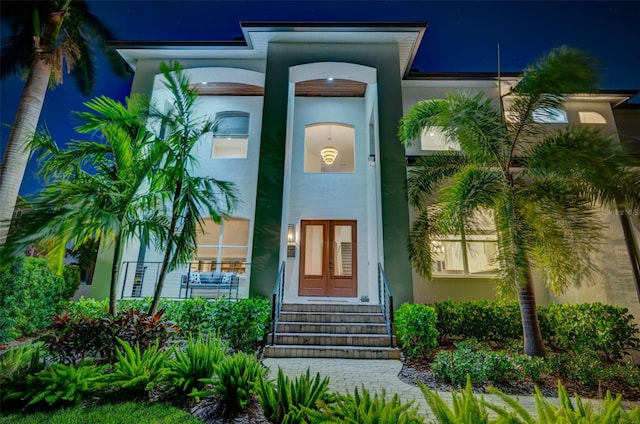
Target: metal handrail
{"type": "Point", "coordinates": [386, 302]}
{"type": "Point", "coordinates": [277, 298]}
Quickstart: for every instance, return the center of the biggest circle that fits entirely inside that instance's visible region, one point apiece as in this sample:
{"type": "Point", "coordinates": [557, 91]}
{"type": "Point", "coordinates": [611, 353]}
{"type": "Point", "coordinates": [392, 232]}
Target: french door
{"type": "Point", "coordinates": [328, 258]}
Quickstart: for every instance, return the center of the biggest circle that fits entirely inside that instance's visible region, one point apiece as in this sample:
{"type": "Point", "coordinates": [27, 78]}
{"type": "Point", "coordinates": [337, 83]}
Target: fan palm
{"type": "Point", "coordinates": [48, 37]}
{"type": "Point", "coordinates": [96, 189]}
{"type": "Point", "coordinates": [190, 198]}
{"type": "Point", "coordinates": [544, 187]}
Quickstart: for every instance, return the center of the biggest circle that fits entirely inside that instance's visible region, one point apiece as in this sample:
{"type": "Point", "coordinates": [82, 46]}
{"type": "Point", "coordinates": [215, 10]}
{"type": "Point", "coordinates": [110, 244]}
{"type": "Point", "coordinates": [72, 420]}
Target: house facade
{"type": "Point", "coordinates": [307, 118]}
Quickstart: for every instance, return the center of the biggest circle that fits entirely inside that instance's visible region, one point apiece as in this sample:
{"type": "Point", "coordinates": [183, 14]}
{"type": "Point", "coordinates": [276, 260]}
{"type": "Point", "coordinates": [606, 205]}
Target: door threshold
{"type": "Point", "coordinates": [321, 299]}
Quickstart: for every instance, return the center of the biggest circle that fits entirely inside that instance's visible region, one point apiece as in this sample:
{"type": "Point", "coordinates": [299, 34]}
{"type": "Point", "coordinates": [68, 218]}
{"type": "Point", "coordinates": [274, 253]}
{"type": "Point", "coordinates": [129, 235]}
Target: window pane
{"type": "Point", "coordinates": [236, 232]}
{"type": "Point", "coordinates": [314, 237]}
{"type": "Point", "coordinates": [211, 235]}
{"type": "Point", "coordinates": [343, 251]}
{"type": "Point", "coordinates": [434, 139]}
{"type": "Point", "coordinates": [550, 116]}
{"type": "Point", "coordinates": [482, 257]}
{"type": "Point", "coordinates": [230, 148]}
{"type": "Point", "coordinates": [447, 258]}
{"type": "Point", "coordinates": [232, 124]}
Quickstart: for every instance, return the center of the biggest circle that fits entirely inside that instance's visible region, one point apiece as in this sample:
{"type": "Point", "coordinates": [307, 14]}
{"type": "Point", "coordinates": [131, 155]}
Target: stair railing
{"type": "Point", "coordinates": [276, 301]}
{"type": "Point", "coordinates": [386, 302]}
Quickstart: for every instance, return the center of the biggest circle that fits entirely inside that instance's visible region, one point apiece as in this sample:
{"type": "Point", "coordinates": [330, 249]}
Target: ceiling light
{"type": "Point", "coordinates": [330, 79]}
{"type": "Point", "coordinates": [329, 154]}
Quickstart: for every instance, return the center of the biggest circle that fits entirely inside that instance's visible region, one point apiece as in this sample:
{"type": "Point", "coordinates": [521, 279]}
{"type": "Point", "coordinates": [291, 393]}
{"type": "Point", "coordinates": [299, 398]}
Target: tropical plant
{"type": "Point", "coordinates": [277, 399]}
{"type": "Point", "coordinates": [65, 384]}
{"type": "Point", "coordinates": [189, 197]}
{"type": "Point", "coordinates": [364, 409]}
{"type": "Point", "coordinates": [15, 366]}
{"type": "Point", "coordinates": [96, 189]}
{"type": "Point", "coordinates": [465, 409]}
{"type": "Point", "coordinates": [233, 382]}
{"type": "Point", "coordinates": [137, 371]}
{"type": "Point", "coordinates": [47, 37]}
{"type": "Point", "coordinates": [196, 362]}
{"type": "Point", "coordinates": [544, 187]}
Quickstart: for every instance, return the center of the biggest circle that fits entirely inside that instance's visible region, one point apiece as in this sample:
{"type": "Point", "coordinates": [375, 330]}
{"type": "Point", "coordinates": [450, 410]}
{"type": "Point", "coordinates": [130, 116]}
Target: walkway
{"type": "Point", "coordinates": [346, 374]}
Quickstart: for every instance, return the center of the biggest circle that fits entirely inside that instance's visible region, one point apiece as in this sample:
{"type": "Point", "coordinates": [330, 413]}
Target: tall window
{"type": "Point", "coordinates": [470, 253]}
{"type": "Point", "coordinates": [231, 136]}
{"type": "Point", "coordinates": [223, 247]}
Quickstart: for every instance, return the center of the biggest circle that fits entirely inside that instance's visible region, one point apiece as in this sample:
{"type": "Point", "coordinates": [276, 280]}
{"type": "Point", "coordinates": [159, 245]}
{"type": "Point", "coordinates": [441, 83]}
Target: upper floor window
{"type": "Point", "coordinates": [545, 115]}
{"type": "Point", "coordinates": [470, 253]}
{"type": "Point", "coordinates": [591, 118]}
{"type": "Point", "coordinates": [222, 247]}
{"type": "Point", "coordinates": [231, 135]}
{"type": "Point", "coordinates": [435, 139]}
{"type": "Point", "coordinates": [329, 147]}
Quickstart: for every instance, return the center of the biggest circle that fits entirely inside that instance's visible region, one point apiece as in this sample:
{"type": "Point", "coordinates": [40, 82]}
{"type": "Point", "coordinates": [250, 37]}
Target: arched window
{"type": "Point", "coordinates": [231, 135]}
{"type": "Point", "coordinates": [591, 118]}
{"type": "Point", "coordinates": [329, 147]}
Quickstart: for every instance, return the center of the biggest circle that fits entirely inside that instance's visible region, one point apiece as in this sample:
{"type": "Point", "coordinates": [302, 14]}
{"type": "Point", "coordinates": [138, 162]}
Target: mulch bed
{"type": "Point", "coordinates": [418, 369]}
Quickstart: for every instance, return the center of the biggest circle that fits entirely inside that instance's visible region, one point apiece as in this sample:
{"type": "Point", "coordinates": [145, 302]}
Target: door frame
{"type": "Point", "coordinates": [328, 284]}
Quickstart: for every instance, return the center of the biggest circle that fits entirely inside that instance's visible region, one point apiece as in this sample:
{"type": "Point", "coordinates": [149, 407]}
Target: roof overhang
{"type": "Point", "coordinates": [258, 35]}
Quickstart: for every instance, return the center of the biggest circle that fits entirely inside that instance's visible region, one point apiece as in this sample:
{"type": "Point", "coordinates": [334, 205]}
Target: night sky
{"type": "Point", "coordinates": [460, 37]}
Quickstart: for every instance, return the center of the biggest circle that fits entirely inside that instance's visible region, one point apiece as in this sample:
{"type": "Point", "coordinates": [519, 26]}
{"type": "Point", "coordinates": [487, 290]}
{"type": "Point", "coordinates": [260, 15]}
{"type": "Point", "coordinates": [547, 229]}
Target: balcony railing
{"type": "Point", "coordinates": [196, 279]}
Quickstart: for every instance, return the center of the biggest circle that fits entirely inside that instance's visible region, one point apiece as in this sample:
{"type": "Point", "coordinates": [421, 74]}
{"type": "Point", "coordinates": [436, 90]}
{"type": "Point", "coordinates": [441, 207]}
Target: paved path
{"type": "Point", "coordinates": [375, 374]}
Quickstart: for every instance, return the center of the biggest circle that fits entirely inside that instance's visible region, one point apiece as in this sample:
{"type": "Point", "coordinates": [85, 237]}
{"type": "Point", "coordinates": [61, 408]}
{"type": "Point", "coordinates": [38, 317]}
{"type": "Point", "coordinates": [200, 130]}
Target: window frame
{"type": "Point", "coordinates": [224, 137]}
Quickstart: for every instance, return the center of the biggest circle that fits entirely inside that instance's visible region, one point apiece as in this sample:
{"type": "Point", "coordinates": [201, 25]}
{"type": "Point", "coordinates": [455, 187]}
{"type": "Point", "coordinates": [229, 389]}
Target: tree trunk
{"type": "Point", "coordinates": [161, 277]}
{"type": "Point", "coordinates": [16, 154]}
{"type": "Point", "coordinates": [115, 269]}
{"type": "Point", "coordinates": [533, 344]}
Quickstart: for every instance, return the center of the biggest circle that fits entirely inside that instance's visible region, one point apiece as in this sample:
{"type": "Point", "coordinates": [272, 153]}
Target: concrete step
{"type": "Point", "coordinates": [342, 307]}
{"type": "Point", "coordinates": [346, 352]}
{"type": "Point", "coordinates": [320, 339]}
{"type": "Point", "coordinates": [332, 328]}
{"type": "Point", "coordinates": [332, 317]}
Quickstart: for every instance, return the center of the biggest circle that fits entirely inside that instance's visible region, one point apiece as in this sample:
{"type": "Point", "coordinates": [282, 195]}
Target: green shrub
{"type": "Point", "coordinates": [608, 330]}
{"type": "Point", "coordinates": [481, 366]}
{"type": "Point", "coordinates": [483, 320]}
{"type": "Point", "coordinates": [30, 295]}
{"type": "Point", "coordinates": [139, 371]}
{"type": "Point", "coordinates": [86, 307]}
{"type": "Point", "coordinates": [233, 382]}
{"type": "Point", "coordinates": [197, 361]}
{"type": "Point", "coordinates": [278, 399]}
{"type": "Point", "coordinates": [364, 409]}
{"type": "Point", "coordinates": [244, 323]}
{"type": "Point", "coordinates": [63, 384]}
{"type": "Point", "coordinates": [193, 316]}
{"type": "Point", "coordinates": [415, 327]}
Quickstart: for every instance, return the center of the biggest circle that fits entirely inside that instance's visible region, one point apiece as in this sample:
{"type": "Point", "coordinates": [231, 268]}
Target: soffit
{"type": "Point", "coordinates": [258, 35]}
{"type": "Point", "coordinates": [311, 88]}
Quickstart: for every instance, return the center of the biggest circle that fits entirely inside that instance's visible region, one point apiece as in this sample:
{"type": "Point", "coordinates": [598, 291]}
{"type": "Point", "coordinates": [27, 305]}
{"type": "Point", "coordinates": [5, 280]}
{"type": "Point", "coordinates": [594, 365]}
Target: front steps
{"type": "Point", "coordinates": [348, 331]}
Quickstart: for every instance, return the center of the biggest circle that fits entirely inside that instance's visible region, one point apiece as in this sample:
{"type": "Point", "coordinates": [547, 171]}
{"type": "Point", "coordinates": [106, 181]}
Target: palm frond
{"type": "Point", "coordinates": [429, 172]}
{"type": "Point", "coordinates": [594, 164]}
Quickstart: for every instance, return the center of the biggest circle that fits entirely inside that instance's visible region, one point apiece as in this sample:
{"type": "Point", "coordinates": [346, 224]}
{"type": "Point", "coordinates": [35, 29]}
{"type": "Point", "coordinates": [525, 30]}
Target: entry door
{"type": "Point", "coordinates": [328, 258]}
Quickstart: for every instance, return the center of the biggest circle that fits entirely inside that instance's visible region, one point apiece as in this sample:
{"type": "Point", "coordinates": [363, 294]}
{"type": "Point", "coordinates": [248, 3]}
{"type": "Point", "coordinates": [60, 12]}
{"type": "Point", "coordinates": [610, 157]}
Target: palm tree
{"type": "Point", "coordinates": [49, 36]}
{"type": "Point", "coordinates": [190, 198]}
{"type": "Point", "coordinates": [544, 187]}
{"type": "Point", "coordinates": [96, 189]}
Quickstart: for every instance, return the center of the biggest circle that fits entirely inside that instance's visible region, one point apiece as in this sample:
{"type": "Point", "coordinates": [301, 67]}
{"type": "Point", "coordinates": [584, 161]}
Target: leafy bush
{"type": "Point", "coordinates": [480, 366]}
{"type": "Point", "coordinates": [608, 330]}
{"type": "Point", "coordinates": [415, 326]}
{"type": "Point", "coordinates": [193, 316]}
{"type": "Point", "coordinates": [277, 400]}
{"type": "Point", "coordinates": [233, 382]}
{"type": "Point", "coordinates": [64, 384]}
{"type": "Point", "coordinates": [243, 323]}
{"type": "Point", "coordinates": [482, 320]}
{"type": "Point", "coordinates": [197, 361]}
{"type": "Point", "coordinates": [30, 295]}
{"type": "Point", "coordinates": [364, 409]}
{"type": "Point", "coordinates": [139, 371]}
{"type": "Point", "coordinates": [587, 368]}
{"type": "Point", "coordinates": [74, 338]}
{"type": "Point", "coordinates": [86, 307]}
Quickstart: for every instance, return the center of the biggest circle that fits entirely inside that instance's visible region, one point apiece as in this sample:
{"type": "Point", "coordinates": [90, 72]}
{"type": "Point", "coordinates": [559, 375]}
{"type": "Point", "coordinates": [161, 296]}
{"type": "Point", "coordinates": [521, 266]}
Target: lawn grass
{"type": "Point", "coordinates": [121, 413]}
